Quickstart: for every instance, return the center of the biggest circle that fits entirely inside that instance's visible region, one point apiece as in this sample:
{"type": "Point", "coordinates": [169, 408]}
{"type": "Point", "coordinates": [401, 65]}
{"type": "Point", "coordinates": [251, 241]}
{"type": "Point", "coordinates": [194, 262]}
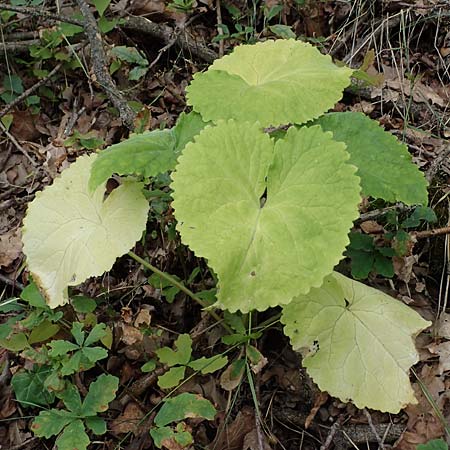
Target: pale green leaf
{"type": "Point", "coordinates": [273, 82]}
{"type": "Point", "coordinates": [184, 406]}
{"type": "Point", "coordinates": [29, 386]}
{"type": "Point", "coordinates": [73, 437]}
{"type": "Point", "coordinates": [265, 255]}
{"type": "Point", "coordinates": [181, 356]}
{"type": "Point", "coordinates": [51, 422]}
{"type": "Point", "coordinates": [101, 392]}
{"type": "Point", "coordinates": [172, 377]}
{"type": "Point", "coordinates": [209, 365]}
{"type": "Point", "coordinates": [70, 234]}
{"type": "Point", "coordinates": [384, 163]}
{"type": "Point", "coordinates": [357, 342]}
{"type": "Point", "coordinates": [147, 154]}
{"type": "Point", "coordinates": [186, 128]}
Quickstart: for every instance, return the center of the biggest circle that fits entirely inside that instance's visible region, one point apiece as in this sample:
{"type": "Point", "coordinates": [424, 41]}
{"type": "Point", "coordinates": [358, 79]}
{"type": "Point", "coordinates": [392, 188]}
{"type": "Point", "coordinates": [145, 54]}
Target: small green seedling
{"type": "Point", "coordinates": [70, 424]}
{"type": "Point", "coordinates": [181, 358]}
{"type": "Point", "coordinates": [177, 409]}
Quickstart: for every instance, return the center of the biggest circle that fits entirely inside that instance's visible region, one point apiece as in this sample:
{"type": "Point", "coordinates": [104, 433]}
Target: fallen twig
{"type": "Point", "coordinates": [100, 67]}
{"type": "Point", "coordinates": [29, 91]}
{"type": "Point", "coordinates": [17, 145]}
{"type": "Point", "coordinates": [166, 34]}
{"type": "Point", "coordinates": [429, 233]}
{"type": "Point", "coordinates": [17, 47]}
{"type": "Point", "coordinates": [39, 12]}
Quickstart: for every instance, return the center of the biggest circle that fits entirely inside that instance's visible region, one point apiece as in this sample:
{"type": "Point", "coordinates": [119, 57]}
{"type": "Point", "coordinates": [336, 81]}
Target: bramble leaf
{"type": "Point", "coordinates": [273, 82]}
{"type": "Point", "coordinates": [357, 342]}
{"type": "Point", "coordinates": [184, 406]}
{"type": "Point", "coordinates": [70, 234]}
{"type": "Point", "coordinates": [265, 253]}
{"type": "Point", "coordinates": [384, 163]}
{"type": "Point", "coordinates": [101, 392]}
{"type": "Point", "coordinates": [147, 154]}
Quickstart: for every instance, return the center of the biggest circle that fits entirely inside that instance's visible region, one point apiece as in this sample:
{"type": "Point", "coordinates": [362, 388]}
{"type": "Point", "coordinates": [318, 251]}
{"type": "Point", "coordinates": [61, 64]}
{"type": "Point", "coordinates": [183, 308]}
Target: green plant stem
{"type": "Point", "coordinates": [182, 288]}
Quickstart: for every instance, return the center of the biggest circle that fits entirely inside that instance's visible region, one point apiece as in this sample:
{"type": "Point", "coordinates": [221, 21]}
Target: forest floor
{"type": "Point", "coordinates": [53, 110]}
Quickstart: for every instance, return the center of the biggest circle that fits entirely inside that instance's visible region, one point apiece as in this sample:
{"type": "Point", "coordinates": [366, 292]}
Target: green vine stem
{"type": "Point", "coordinates": [182, 288]}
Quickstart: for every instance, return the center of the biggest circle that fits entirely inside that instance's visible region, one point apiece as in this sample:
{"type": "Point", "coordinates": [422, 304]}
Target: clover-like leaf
{"type": "Point", "coordinates": [357, 342]}
{"type": "Point", "coordinates": [70, 234]}
{"type": "Point", "coordinates": [181, 356]}
{"type": "Point", "coordinates": [73, 437]}
{"type": "Point", "coordinates": [184, 406]}
{"type": "Point", "coordinates": [51, 422]}
{"type": "Point", "coordinates": [147, 154]}
{"type": "Point", "coordinates": [384, 163]}
{"type": "Point", "coordinates": [273, 82]}
{"type": "Point", "coordinates": [266, 247]}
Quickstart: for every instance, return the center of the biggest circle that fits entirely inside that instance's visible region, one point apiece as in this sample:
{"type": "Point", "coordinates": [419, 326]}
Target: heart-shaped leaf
{"type": "Point", "coordinates": [71, 234]}
{"type": "Point", "coordinates": [273, 82]}
{"type": "Point", "coordinates": [266, 247]}
{"type": "Point", "coordinates": [356, 341]}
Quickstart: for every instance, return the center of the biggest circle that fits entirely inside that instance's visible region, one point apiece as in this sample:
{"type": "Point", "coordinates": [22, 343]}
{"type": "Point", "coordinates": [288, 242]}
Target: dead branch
{"type": "Point", "coordinates": [100, 66]}
{"type": "Point", "coordinates": [167, 34]}
{"type": "Point", "coordinates": [39, 12]}
{"type": "Point", "coordinates": [17, 47]}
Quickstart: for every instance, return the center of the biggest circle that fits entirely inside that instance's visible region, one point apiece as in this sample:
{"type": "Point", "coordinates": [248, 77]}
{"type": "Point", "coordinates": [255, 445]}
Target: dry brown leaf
{"type": "Point", "coordinates": [128, 421]}
{"type": "Point", "coordinates": [371, 226]}
{"type": "Point", "coordinates": [423, 425]}
{"type": "Point", "coordinates": [143, 317]}
{"type": "Point", "coordinates": [227, 381]}
{"type": "Point", "coordinates": [130, 334]}
{"type": "Point", "coordinates": [255, 441]}
{"type": "Point", "coordinates": [442, 326]}
{"type": "Point", "coordinates": [10, 247]}
{"type": "Point", "coordinates": [231, 436]}
{"type": "Point", "coordinates": [319, 400]}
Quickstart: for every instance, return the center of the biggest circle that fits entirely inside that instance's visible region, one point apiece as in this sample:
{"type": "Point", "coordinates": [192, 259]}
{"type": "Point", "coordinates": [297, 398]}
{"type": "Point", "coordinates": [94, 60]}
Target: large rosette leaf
{"type": "Point", "coordinates": [273, 82]}
{"type": "Point", "coordinates": [272, 219]}
{"type": "Point", "coordinates": [357, 342]}
{"type": "Point", "coordinates": [71, 234]}
{"type": "Point", "coordinates": [384, 163]}
{"type": "Point", "coordinates": [147, 154]}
